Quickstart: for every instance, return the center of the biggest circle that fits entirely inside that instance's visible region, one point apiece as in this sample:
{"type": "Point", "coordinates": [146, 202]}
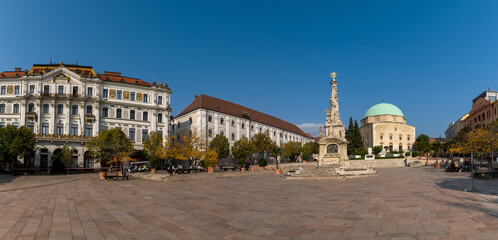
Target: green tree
{"type": "Point", "coordinates": [275, 151]}
{"type": "Point", "coordinates": [15, 143]}
{"type": "Point", "coordinates": [422, 144]}
{"type": "Point", "coordinates": [109, 145]}
{"type": "Point", "coordinates": [437, 149]}
{"type": "Point", "coordinates": [220, 145]}
{"type": "Point", "coordinates": [262, 142]}
{"type": "Point", "coordinates": [310, 148]}
{"type": "Point", "coordinates": [66, 155]}
{"type": "Point", "coordinates": [152, 146]}
{"type": "Point", "coordinates": [242, 149]}
{"type": "Point", "coordinates": [355, 141]}
{"type": "Point", "coordinates": [291, 150]}
{"type": "Point", "coordinates": [377, 149]}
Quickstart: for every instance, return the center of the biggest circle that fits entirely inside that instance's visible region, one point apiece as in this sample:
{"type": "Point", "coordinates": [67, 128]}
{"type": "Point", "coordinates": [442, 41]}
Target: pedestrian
{"type": "Point", "coordinates": [123, 174]}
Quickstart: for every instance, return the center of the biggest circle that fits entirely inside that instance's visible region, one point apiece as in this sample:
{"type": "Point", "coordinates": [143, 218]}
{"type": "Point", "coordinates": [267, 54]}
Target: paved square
{"type": "Point", "coordinates": [401, 203]}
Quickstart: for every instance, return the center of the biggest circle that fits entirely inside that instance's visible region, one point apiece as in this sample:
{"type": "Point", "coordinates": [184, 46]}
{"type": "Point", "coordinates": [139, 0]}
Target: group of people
{"type": "Point", "coordinates": [456, 167]}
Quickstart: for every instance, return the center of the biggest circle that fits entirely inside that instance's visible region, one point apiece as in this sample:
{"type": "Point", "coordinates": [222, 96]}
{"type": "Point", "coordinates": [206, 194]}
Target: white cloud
{"type": "Point", "coordinates": [312, 128]}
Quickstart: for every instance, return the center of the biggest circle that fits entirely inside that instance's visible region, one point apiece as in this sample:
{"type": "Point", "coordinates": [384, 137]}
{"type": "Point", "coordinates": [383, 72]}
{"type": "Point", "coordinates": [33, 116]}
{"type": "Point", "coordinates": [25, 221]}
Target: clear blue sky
{"type": "Point", "coordinates": [430, 58]}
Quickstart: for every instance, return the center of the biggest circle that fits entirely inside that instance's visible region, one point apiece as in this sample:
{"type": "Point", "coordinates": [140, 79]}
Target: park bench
{"type": "Point", "coordinates": [231, 168]}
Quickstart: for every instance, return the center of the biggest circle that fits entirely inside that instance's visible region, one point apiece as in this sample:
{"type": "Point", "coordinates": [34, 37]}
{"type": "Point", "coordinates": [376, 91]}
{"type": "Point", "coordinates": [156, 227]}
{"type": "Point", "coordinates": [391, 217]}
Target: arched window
{"type": "Point", "coordinates": [233, 123]}
{"type": "Point", "coordinates": [31, 107]}
{"type": "Point", "coordinates": [210, 119]}
{"type": "Point", "coordinates": [60, 109]}
{"type": "Point", "coordinates": [233, 136]}
{"type": "Point", "coordinates": [132, 114]}
{"type": "Point", "coordinates": [105, 112]}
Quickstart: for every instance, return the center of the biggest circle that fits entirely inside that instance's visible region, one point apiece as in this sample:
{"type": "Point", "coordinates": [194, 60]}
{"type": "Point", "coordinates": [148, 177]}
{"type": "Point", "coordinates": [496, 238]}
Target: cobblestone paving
{"type": "Point", "coordinates": [401, 203]}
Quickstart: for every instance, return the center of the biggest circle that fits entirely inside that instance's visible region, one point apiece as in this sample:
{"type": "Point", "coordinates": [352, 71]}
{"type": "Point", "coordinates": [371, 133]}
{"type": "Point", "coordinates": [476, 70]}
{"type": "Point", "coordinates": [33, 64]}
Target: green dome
{"type": "Point", "coordinates": [383, 109]}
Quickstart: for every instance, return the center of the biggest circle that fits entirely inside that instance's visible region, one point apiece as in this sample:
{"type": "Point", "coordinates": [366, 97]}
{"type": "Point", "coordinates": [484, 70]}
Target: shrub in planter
{"type": "Point", "coordinates": [262, 162]}
{"type": "Point", "coordinates": [210, 158]}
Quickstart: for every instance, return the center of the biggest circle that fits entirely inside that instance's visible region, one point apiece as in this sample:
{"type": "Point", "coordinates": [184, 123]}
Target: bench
{"type": "Point", "coordinates": [231, 168]}
{"type": "Point", "coordinates": [114, 177]}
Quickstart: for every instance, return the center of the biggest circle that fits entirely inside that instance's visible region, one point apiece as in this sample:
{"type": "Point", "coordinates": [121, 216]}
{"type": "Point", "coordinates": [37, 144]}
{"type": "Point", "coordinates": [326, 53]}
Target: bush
{"type": "Point", "coordinates": [210, 158]}
{"type": "Point", "coordinates": [262, 162]}
{"type": "Point", "coordinates": [414, 153]}
{"type": "Point", "coordinates": [241, 162]}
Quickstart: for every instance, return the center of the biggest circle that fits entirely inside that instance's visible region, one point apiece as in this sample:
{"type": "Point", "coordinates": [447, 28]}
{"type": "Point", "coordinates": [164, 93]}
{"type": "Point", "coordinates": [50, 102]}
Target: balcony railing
{"type": "Point", "coordinates": [31, 115]}
{"type": "Point", "coordinates": [61, 136]}
{"type": "Point", "coordinates": [89, 117]}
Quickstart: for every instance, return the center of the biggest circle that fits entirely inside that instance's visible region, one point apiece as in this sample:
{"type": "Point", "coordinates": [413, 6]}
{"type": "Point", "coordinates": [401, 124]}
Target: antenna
{"type": "Point", "coordinates": [76, 62]}
{"type": "Point", "coordinates": [50, 61]}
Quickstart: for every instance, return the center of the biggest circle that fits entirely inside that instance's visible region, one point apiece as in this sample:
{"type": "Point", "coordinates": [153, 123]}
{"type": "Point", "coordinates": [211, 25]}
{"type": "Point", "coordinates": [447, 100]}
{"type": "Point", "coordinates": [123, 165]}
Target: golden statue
{"type": "Point", "coordinates": [333, 75]}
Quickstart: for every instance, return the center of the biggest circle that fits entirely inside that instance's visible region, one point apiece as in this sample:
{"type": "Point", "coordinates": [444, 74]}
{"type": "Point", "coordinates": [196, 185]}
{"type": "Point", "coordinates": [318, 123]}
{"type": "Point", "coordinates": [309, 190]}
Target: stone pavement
{"type": "Point", "coordinates": [401, 203]}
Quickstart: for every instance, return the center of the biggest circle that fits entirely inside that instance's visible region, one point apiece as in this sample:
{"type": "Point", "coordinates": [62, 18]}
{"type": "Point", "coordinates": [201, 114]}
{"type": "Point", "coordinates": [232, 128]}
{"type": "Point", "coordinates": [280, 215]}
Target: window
{"type": "Point", "coordinates": [31, 107]}
{"type": "Point", "coordinates": [145, 134]}
{"type": "Point", "coordinates": [75, 90]}
{"type": "Point", "coordinates": [16, 90]}
{"type": "Point", "coordinates": [89, 110]}
{"type": "Point", "coordinates": [222, 133]}
{"type": "Point", "coordinates": [15, 124]}
{"type": "Point", "coordinates": [46, 89]}
{"type": "Point", "coordinates": [190, 119]}
{"type": "Point", "coordinates": [132, 96]}
{"type": "Point", "coordinates": [210, 132]}
{"type": "Point", "coordinates": [2, 124]}
{"type": "Point", "coordinates": [60, 109]}
{"type": "Point", "coordinates": [118, 113]}
{"type": "Point", "coordinates": [61, 90]}
{"type": "Point", "coordinates": [160, 100]}
{"type": "Point", "coordinates": [408, 138]}
{"type": "Point", "coordinates": [210, 119]}
{"type": "Point", "coordinates": [243, 125]}
{"type": "Point", "coordinates": [131, 134]}
{"type": "Point", "coordinates": [89, 91]}
{"type": "Point", "coordinates": [395, 129]}
{"type": "Point", "coordinates": [16, 108]}
{"type": "Point", "coordinates": [160, 117]}
{"type": "Point", "coordinates": [31, 88]}
{"type": "Point", "coordinates": [105, 112]}
{"type": "Point", "coordinates": [74, 129]}
{"type": "Point", "coordinates": [390, 137]}
{"type": "Point", "coordinates": [45, 108]}
{"type": "Point", "coordinates": [75, 110]}
{"type": "Point", "coordinates": [233, 136]}
{"type": "Point", "coordinates": [222, 120]}
{"type": "Point", "coordinates": [400, 148]}
{"type": "Point", "coordinates": [45, 128]}
{"type": "Point", "coordinates": [233, 123]}
{"type": "Point", "coordinates": [400, 138]}
{"type": "Point", "coordinates": [146, 97]}
{"type": "Point", "coordinates": [145, 116]}
{"type": "Point", "coordinates": [120, 94]}
{"type": "Point", "coordinates": [2, 108]}
{"type": "Point", "coordinates": [60, 130]}
{"type": "Point", "coordinates": [88, 131]}
{"type": "Point", "coordinates": [105, 93]}
{"type": "Point", "coordinates": [4, 89]}
{"type": "Point", "coordinates": [132, 114]}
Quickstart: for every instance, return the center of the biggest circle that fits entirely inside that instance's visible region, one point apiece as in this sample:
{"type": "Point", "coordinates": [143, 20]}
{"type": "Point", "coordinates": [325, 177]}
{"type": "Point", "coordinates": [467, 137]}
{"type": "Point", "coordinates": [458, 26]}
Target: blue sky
{"type": "Point", "coordinates": [430, 58]}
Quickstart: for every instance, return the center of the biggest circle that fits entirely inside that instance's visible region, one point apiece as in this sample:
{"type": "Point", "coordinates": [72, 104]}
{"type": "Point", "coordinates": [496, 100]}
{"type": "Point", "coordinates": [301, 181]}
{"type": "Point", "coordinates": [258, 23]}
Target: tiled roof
{"type": "Point", "coordinates": [222, 106]}
{"type": "Point", "coordinates": [114, 78]}
{"type": "Point", "coordinates": [11, 74]}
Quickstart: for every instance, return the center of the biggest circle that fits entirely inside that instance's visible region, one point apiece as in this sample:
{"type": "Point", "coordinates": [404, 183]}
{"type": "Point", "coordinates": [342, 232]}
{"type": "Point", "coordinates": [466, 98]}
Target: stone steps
{"type": "Point", "coordinates": [329, 172]}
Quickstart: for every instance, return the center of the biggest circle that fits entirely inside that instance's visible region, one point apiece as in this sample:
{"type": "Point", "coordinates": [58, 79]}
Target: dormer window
{"type": "Point", "coordinates": [122, 80]}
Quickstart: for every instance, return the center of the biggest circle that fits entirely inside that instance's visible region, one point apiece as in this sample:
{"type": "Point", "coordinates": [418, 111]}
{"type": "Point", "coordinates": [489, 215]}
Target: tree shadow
{"type": "Point", "coordinates": [4, 178]}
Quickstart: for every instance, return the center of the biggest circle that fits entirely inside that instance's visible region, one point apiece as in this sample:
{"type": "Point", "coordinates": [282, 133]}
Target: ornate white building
{"type": "Point", "coordinates": [209, 116]}
{"type": "Point", "coordinates": [68, 104]}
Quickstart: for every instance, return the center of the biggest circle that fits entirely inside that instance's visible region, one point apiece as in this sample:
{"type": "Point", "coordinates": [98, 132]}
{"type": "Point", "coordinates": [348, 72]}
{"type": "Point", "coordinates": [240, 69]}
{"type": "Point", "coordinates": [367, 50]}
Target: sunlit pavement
{"type": "Point", "coordinates": [401, 203]}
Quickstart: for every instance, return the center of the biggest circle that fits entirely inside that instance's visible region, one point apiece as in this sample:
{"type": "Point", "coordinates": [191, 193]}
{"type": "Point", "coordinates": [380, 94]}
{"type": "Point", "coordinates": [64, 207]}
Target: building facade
{"type": "Point", "coordinates": [484, 110]}
{"type": "Point", "coordinates": [385, 125]}
{"type": "Point", "coordinates": [208, 116]}
{"type": "Point", "coordinates": [455, 127]}
{"type": "Point", "coordinates": [69, 104]}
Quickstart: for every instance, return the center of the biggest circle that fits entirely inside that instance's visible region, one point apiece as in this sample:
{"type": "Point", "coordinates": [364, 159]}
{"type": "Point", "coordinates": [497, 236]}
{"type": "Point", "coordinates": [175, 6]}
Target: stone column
{"type": "Point", "coordinates": [81, 113]}
{"type": "Point", "coordinates": [22, 110]}
{"type": "Point", "coordinates": [53, 122]}
{"type": "Point", "coordinates": [67, 121]}
{"type": "Point", "coordinates": [38, 116]}
{"type": "Point", "coordinates": [96, 126]}
{"type": "Point", "coordinates": [153, 121]}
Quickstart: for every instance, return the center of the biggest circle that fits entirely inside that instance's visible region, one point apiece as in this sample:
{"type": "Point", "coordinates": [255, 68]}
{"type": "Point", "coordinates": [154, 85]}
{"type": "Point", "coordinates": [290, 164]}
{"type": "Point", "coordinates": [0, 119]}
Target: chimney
{"type": "Point", "coordinates": [18, 69]}
{"type": "Point", "coordinates": [195, 97]}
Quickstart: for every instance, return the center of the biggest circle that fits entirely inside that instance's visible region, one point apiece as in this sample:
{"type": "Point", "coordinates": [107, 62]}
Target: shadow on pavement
{"type": "Point", "coordinates": [7, 178]}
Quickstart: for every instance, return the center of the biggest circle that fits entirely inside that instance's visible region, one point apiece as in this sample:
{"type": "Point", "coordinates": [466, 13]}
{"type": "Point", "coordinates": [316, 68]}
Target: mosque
{"type": "Point", "coordinates": [385, 125]}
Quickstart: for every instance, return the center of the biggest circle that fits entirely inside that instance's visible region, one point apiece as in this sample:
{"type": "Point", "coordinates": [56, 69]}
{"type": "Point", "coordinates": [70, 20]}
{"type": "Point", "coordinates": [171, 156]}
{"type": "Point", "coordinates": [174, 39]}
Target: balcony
{"type": "Point", "coordinates": [61, 136]}
{"type": "Point", "coordinates": [89, 118]}
{"type": "Point", "coordinates": [30, 115]}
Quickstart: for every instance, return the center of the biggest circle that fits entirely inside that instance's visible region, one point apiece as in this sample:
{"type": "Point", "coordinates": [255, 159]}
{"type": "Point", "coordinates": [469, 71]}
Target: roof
{"type": "Point", "coordinates": [78, 69]}
{"type": "Point", "coordinates": [222, 106]}
{"type": "Point", "coordinates": [383, 109]}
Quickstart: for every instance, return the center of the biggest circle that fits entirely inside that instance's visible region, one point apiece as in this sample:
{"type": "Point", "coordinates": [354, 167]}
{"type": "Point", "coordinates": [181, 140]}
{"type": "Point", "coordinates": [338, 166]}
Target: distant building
{"type": "Point", "coordinates": [385, 125]}
{"type": "Point", "coordinates": [209, 116]}
{"type": "Point", "coordinates": [455, 127]}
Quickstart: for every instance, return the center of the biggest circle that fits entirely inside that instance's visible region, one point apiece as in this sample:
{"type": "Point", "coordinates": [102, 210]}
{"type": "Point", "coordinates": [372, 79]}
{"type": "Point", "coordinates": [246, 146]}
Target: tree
{"type": "Point", "coordinates": [422, 144]}
{"type": "Point", "coordinates": [377, 149]}
{"type": "Point", "coordinates": [483, 139]}
{"type": "Point", "coordinates": [242, 149]}
{"type": "Point", "coordinates": [291, 150]}
{"type": "Point", "coordinates": [211, 158]}
{"type": "Point", "coordinates": [220, 145]}
{"type": "Point", "coordinates": [66, 155]}
{"type": "Point", "coordinates": [15, 143]}
{"type": "Point", "coordinates": [310, 148]}
{"type": "Point", "coordinates": [110, 145]}
{"type": "Point", "coordinates": [275, 151]}
{"type": "Point", "coordinates": [436, 148]}
{"type": "Point", "coordinates": [355, 141]}
{"type": "Point", "coordinates": [151, 145]}
{"type": "Point", "coordinates": [262, 142]}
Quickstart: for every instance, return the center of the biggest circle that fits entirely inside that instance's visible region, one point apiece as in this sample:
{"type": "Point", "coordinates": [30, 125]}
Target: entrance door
{"type": "Point", "coordinates": [57, 166]}
{"type": "Point", "coordinates": [88, 160]}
